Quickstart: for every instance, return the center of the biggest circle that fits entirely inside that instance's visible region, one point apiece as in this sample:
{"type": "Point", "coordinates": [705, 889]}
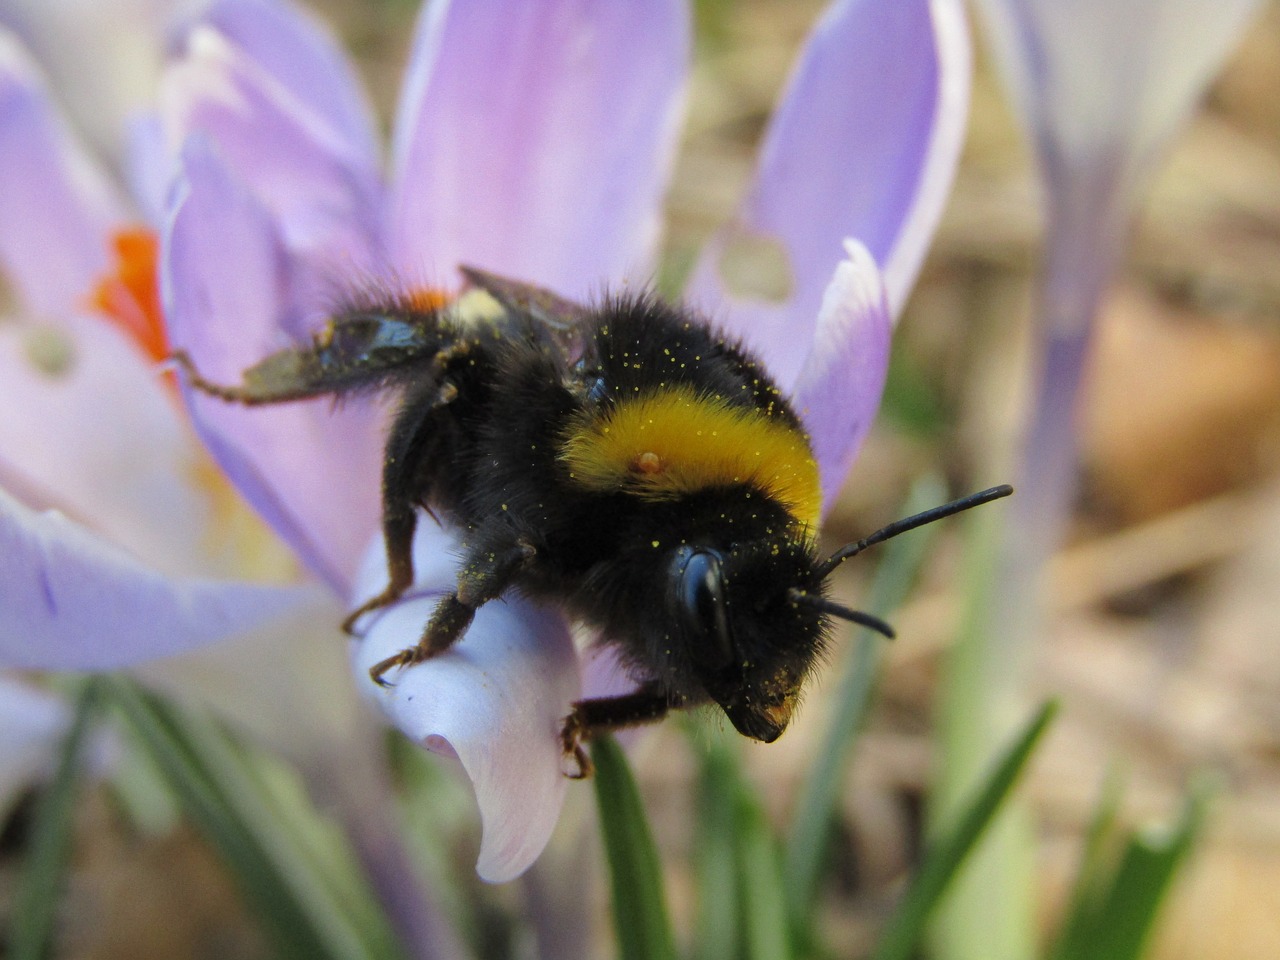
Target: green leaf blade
{"type": "Point", "coordinates": [304, 913]}
{"type": "Point", "coordinates": [946, 855]}
{"type": "Point", "coordinates": [764, 910]}
{"type": "Point", "coordinates": [36, 899]}
{"type": "Point", "coordinates": [718, 924]}
{"type": "Point", "coordinates": [811, 827]}
{"type": "Point", "coordinates": [641, 925]}
{"type": "Point", "coordinates": [1117, 924]}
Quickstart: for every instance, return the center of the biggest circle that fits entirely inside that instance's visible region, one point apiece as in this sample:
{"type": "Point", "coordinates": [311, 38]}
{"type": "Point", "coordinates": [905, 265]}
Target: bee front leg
{"type": "Point", "coordinates": [589, 718]}
{"type": "Point", "coordinates": [484, 576]}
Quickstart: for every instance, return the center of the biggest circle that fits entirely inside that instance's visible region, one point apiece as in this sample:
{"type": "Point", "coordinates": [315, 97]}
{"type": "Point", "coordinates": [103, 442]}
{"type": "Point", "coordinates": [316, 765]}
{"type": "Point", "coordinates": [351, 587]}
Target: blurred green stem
{"type": "Point", "coordinates": [990, 914]}
{"type": "Point", "coordinates": [37, 897]}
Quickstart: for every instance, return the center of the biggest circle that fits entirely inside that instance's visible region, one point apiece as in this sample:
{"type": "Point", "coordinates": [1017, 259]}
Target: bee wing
{"type": "Point", "coordinates": [360, 351]}
{"type": "Point", "coordinates": [559, 318]}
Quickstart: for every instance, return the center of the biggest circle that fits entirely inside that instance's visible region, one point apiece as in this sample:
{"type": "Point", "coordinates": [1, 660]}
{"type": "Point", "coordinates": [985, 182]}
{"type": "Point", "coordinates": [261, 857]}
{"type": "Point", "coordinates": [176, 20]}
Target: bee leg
{"type": "Point", "coordinates": [649, 704]}
{"type": "Point", "coordinates": [402, 489]}
{"type": "Point", "coordinates": [399, 520]}
{"type": "Point", "coordinates": [479, 582]}
{"type": "Point", "coordinates": [358, 349]}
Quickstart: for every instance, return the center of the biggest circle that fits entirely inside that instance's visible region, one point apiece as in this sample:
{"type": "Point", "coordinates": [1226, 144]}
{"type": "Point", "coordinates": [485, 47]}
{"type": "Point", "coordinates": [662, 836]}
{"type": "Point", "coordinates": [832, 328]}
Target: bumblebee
{"type": "Point", "coordinates": [626, 461]}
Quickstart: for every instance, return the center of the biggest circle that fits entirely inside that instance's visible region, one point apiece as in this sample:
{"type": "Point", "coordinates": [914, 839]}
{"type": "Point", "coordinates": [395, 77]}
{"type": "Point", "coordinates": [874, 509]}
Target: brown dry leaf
{"type": "Point", "coordinates": [1178, 410]}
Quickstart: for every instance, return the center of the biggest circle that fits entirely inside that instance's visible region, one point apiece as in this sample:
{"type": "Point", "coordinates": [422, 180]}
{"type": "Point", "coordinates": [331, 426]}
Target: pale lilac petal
{"type": "Point", "coordinates": [323, 191]}
{"type": "Point", "coordinates": [864, 145]}
{"type": "Point", "coordinates": [603, 672]}
{"type": "Point", "coordinates": [150, 166]}
{"type": "Point", "coordinates": [286, 683]}
{"type": "Point", "coordinates": [300, 52]}
{"type": "Point", "coordinates": [1108, 83]}
{"type": "Point", "coordinates": [94, 427]}
{"type": "Point", "coordinates": [103, 59]}
{"type": "Point", "coordinates": [71, 601]}
{"type": "Point", "coordinates": [311, 470]}
{"type": "Point", "coordinates": [839, 387]}
{"type": "Point", "coordinates": [535, 139]}
{"type": "Point", "coordinates": [496, 701]}
{"type": "Point", "coordinates": [56, 205]}
{"type": "Point", "coordinates": [32, 724]}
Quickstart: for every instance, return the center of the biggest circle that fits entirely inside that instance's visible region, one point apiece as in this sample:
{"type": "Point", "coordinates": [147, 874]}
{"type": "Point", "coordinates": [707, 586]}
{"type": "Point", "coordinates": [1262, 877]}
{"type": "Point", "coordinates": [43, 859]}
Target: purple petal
{"type": "Point", "coordinates": [535, 139]}
{"type": "Point", "coordinates": [287, 684]}
{"type": "Point", "coordinates": [56, 206]}
{"type": "Point", "coordinates": [604, 674]}
{"type": "Point", "coordinates": [1107, 84]}
{"type": "Point", "coordinates": [95, 430]}
{"type": "Point", "coordinates": [323, 191]}
{"type": "Point", "coordinates": [839, 387]}
{"type": "Point", "coordinates": [150, 166]}
{"type": "Point", "coordinates": [300, 52]}
{"type": "Point", "coordinates": [33, 723]}
{"type": "Point", "coordinates": [70, 601]}
{"type": "Point", "coordinates": [311, 470]}
{"type": "Point", "coordinates": [495, 701]}
{"type": "Point", "coordinates": [864, 145]}
{"type": "Point", "coordinates": [103, 59]}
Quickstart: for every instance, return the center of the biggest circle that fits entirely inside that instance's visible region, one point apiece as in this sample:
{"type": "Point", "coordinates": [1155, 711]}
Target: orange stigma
{"type": "Point", "coordinates": [129, 294]}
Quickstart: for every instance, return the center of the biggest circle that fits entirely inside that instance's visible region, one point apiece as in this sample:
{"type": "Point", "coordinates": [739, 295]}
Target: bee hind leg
{"type": "Point", "coordinates": [356, 350]}
{"type": "Point", "coordinates": [407, 446]}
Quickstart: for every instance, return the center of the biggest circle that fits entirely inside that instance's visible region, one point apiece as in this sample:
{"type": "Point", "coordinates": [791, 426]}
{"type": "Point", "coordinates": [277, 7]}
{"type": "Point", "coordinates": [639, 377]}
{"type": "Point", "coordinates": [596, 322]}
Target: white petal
{"type": "Point", "coordinates": [496, 701]}
{"type": "Point", "coordinates": [1100, 81]}
{"type": "Point", "coordinates": [103, 439]}
{"type": "Point", "coordinates": [32, 723]}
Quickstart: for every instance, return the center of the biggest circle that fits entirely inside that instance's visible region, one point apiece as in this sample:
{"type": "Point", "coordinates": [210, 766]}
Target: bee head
{"type": "Point", "coordinates": [753, 618]}
{"type": "Point", "coordinates": [749, 641]}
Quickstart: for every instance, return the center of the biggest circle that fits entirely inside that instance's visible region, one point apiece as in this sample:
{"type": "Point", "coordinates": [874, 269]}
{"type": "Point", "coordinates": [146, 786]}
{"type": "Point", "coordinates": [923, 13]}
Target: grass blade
{"type": "Point", "coordinates": [718, 925]}
{"type": "Point", "coordinates": [35, 902]}
{"type": "Point", "coordinates": [764, 911]}
{"type": "Point", "coordinates": [640, 920]}
{"type": "Point", "coordinates": [810, 836]}
{"type": "Point", "coordinates": [1117, 923]}
{"type": "Point", "coordinates": [310, 904]}
{"type": "Point", "coordinates": [1089, 877]}
{"type": "Point", "coordinates": [946, 855]}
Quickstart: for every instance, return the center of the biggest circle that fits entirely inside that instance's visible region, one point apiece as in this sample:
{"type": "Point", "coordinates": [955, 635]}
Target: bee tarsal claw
{"type": "Point", "coordinates": [405, 658]}
{"type": "Point", "coordinates": [571, 736]}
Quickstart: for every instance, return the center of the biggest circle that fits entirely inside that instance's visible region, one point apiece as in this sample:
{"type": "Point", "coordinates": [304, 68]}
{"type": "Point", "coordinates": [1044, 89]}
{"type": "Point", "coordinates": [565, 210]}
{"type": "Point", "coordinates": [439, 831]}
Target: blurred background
{"type": "Point", "coordinates": [1163, 640]}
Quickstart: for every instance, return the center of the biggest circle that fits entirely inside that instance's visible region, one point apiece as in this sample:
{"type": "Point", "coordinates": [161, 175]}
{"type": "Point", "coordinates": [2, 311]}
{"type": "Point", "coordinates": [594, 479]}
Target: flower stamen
{"type": "Point", "coordinates": [128, 295]}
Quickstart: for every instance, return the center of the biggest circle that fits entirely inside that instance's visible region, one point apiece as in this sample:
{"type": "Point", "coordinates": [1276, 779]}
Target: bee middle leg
{"type": "Point", "coordinates": [480, 580]}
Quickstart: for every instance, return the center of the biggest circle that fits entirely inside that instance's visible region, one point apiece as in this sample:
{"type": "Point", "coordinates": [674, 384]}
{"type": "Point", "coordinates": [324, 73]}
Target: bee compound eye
{"type": "Point", "coordinates": [703, 609]}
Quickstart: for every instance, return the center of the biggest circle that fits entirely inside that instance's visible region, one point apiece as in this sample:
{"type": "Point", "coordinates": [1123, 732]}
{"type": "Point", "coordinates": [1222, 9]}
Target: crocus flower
{"type": "Point", "coordinates": [103, 58]}
{"type": "Point", "coordinates": [115, 529]}
{"type": "Point", "coordinates": [121, 544]}
{"type": "Point", "coordinates": [530, 141]}
{"type": "Point", "coordinates": [1102, 86]}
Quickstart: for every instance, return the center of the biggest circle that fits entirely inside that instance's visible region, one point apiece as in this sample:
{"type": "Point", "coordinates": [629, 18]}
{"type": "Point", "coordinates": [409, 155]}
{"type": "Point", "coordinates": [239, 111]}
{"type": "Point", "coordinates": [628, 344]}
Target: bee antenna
{"type": "Point", "coordinates": [830, 607]}
{"type": "Point", "coordinates": [911, 522]}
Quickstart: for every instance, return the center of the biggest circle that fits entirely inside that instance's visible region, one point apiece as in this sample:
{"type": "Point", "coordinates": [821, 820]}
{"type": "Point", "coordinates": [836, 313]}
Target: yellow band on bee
{"type": "Point", "coordinates": [673, 441]}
